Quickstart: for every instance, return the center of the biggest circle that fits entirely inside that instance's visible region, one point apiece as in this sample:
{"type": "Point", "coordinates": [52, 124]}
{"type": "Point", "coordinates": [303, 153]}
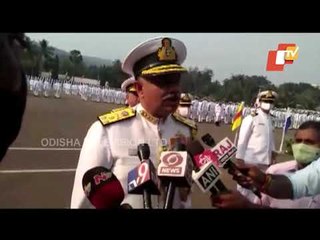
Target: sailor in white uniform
{"type": "Point", "coordinates": [157, 70]}
{"type": "Point", "coordinates": [256, 140]}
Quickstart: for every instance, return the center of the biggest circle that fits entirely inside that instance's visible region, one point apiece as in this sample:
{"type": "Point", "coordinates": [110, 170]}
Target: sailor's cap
{"type": "Point", "coordinates": [185, 99]}
{"type": "Point", "coordinates": [156, 56]}
{"type": "Point", "coordinates": [267, 95]}
{"type": "Point", "coordinates": [127, 85]}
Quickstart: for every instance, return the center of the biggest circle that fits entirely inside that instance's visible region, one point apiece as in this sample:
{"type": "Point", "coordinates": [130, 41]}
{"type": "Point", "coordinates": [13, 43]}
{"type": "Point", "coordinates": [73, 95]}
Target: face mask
{"type": "Point", "coordinates": [304, 153]}
{"type": "Point", "coordinates": [266, 106]}
{"type": "Point", "coordinates": [183, 111]}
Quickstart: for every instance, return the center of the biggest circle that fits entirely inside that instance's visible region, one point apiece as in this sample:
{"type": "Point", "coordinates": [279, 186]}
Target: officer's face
{"type": "Point", "coordinates": [160, 94]}
{"type": "Point", "coordinates": [132, 99]}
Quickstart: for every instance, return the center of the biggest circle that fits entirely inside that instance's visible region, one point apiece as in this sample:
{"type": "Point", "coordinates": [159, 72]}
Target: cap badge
{"type": "Point", "coordinates": [269, 94]}
{"type": "Point", "coordinates": [167, 52]}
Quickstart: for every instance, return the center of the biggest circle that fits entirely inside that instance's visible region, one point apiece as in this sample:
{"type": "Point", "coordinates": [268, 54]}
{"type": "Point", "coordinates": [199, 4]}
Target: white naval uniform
{"type": "Point", "coordinates": [108, 146]}
{"type": "Point", "coordinates": [255, 144]}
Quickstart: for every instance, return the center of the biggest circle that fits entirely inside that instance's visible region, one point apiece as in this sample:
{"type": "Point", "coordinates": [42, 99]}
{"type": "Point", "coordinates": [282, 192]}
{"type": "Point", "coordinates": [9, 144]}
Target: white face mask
{"type": "Point", "coordinates": [266, 106]}
{"type": "Point", "coordinates": [183, 111]}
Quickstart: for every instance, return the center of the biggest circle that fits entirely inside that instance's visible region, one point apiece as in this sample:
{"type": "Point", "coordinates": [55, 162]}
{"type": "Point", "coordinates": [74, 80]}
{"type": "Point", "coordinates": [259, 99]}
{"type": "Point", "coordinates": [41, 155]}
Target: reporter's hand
{"type": "Point", "coordinates": [250, 175]}
{"type": "Point", "coordinates": [232, 199]}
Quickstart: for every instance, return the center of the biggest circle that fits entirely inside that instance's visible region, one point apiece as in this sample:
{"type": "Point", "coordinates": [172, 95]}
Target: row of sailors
{"type": "Point", "coordinates": [49, 87]}
{"type": "Point", "coordinates": [200, 111]}
{"type": "Point", "coordinates": [205, 111]}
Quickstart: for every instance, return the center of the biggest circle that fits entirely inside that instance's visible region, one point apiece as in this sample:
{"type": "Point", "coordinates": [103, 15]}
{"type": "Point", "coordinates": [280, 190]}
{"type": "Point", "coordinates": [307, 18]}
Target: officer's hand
{"type": "Point", "coordinates": [232, 199]}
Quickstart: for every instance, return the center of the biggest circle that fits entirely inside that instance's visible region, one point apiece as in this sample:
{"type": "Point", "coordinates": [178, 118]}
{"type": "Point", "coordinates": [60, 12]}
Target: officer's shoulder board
{"type": "Point", "coordinates": [119, 109]}
{"type": "Point", "coordinates": [191, 124]}
{"type": "Point", "coordinates": [117, 115]}
{"type": "Point", "coordinates": [184, 120]}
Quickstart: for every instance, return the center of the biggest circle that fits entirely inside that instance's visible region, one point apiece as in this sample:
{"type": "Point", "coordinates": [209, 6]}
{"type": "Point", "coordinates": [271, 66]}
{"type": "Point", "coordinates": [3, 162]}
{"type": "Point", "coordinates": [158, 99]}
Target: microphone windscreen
{"type": "Point", "coordinates": [194, 148]}
{"type": "Point", "coordinates": [102, 188]}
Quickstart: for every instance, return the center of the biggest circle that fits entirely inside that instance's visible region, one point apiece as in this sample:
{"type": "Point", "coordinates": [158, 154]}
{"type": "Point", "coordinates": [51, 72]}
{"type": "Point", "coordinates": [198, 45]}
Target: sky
{"type": "Point", "coordinates": [226, 54]}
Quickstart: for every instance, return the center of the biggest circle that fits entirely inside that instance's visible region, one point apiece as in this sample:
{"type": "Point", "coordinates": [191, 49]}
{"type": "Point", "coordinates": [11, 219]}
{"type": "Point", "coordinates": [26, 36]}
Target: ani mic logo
{"type": "Point", "coordinates": [286, 53]}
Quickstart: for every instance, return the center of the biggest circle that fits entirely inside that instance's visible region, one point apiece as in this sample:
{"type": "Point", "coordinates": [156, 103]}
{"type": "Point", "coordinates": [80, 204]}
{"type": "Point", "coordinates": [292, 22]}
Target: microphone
{"type": "Point", "coordinates": [209, 140]}
{"type": "Point", "coordinates": [143, 179]}
{"type": "Point", "coordinates": [125, 206]}
{"type": "Point", "coordinates": [224, 151]}
{"type": "Point", "coordinates": [206, 174]}
{"type": "Point", "coordinates": [102, 188]}
{"type": "Point", "coordinates": [175, 170]}
{"type": "Point", "coordinates": [144, 154]}
{"type": "Point", "coordinates": [200, 155]}
{"type": "Point", "coordinates": [208, 179]}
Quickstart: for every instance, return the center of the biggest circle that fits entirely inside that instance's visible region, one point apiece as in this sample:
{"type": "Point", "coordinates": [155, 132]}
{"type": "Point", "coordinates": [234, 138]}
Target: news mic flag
{"type": "Point", "coordinates": [208, 179]}
{"type": "Point", "coordinates": [142, 177]}
{"type": "Point", "coordinates": [102, 188]}
{"type": "Point", "coordinates": [175, 166]}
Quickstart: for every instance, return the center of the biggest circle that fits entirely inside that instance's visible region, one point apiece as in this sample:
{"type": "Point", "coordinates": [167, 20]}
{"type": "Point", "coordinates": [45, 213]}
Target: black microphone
{"type": "Point", "coordinates": [206, 175]}
{"type": "Point", "coordinates": [224, 152]}
{"type": "Point", "coordinates": [125, 206]}
{"type": "Point", "coordinates": [209, 140]}
{"type": "Point", "coordinates": [144, 155]}
{"type": "Point", "coordinates": [143, 179]}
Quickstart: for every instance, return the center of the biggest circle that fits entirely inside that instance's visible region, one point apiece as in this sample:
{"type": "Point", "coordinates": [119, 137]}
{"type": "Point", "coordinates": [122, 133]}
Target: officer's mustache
{"type": "Point", "coordinates": [171, 96]}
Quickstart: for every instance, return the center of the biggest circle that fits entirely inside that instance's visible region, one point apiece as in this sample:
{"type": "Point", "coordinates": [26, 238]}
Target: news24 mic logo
{"type": "Point", "coordinates": [286, 53]}
{"type": "Point", "coordinates": [224, 151]}
{"type": "Point", "coordinates": [207, 176]}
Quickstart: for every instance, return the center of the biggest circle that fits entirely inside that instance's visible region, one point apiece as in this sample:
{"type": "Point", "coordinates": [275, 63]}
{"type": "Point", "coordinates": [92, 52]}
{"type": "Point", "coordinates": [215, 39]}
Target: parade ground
{"type": "Point", "coordinates": [38, 170]}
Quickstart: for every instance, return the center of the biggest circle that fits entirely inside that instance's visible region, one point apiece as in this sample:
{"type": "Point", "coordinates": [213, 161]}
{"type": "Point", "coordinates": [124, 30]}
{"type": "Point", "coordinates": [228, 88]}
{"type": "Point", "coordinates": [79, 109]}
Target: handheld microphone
{"type": "Point", "coordinates": [102, 188]}
{"type": "Point", "coordinates": [175, 170]}
{"type": "Point", "coordinates": [143, 179]}
{"type": "Point", "coordinates": [224, 151]}
{"type": "Point", "coordinates": [200, 155]}
{"type": "Point", "coordinates": [208, 179]}
{"type": "Point", "coordinates": [144, 154]}
{"type": "Point", "coordinates": [206, 173]}
{"type": "Point", "coordinates": [209, 140]}
{"type": "Point", "coordinates": [125, 206]}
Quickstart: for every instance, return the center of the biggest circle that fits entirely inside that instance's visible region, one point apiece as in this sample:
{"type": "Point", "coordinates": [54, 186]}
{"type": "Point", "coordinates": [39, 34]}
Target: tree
{"type": "Point", "coordinates": [66, 66]}
{"type": "Point", "coordinates": [46, 56]}
{"type": "Point", "coordinates": [55, 68]}
{"type": "Point", "coordinates": [31, 58]}
{"type": "Point", "coordinates": [76, 59]}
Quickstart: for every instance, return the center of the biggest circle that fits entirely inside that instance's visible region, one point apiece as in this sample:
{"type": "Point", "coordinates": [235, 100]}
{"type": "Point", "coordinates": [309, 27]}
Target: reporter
{"type": "Point", "coordinates": [304, 182]}
{"type": "Point", "coordinates": [305, 150]}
